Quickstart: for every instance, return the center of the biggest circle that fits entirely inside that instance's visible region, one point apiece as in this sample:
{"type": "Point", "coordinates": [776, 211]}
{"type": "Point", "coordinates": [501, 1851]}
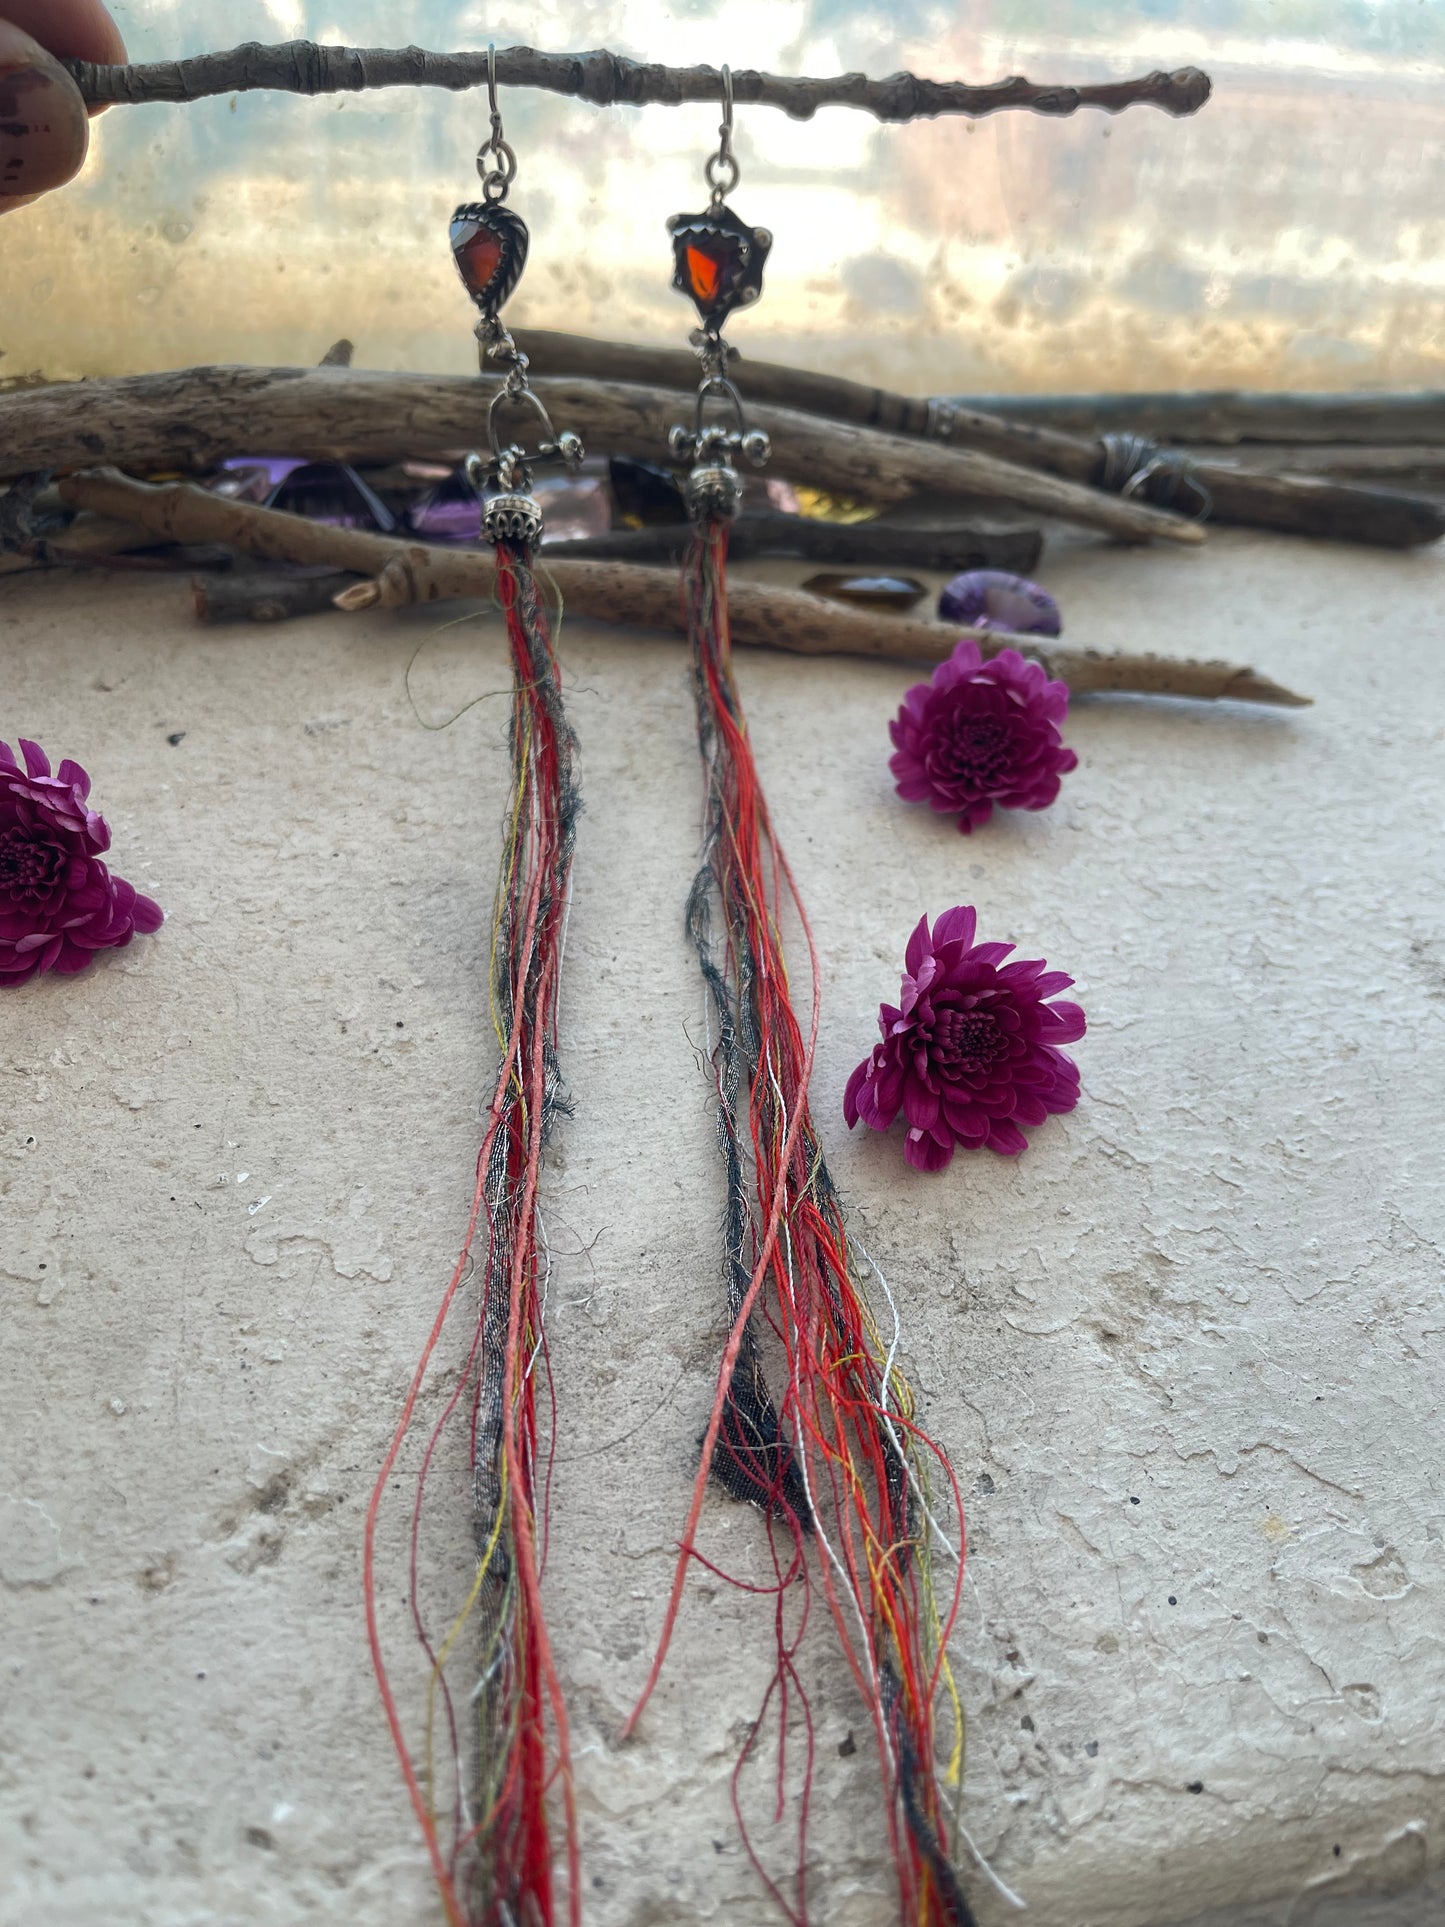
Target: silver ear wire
{"type": "Point", "coordinates": [722, 172]}
{"type": "Point", "coordinates": [498, 178]}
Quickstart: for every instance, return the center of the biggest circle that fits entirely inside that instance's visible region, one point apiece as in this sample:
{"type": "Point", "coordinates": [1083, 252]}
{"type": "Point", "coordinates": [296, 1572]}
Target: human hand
{"type": "Point", "coordinates": [44, 128]}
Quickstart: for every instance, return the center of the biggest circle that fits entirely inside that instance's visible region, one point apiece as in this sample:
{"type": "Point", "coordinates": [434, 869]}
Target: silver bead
{"type": "Point", "coordinates": [569, 447]}
{"type": "Point", "coordinates": [512, 518]}
{"type": "Point", "coordinates": [757, 447]}
{"type": "Point", "coordinates": [713, 493]}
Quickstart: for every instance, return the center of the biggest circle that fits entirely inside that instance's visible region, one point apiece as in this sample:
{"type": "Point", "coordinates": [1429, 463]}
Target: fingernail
{"type": "Point", "coordinates": [43, 127]}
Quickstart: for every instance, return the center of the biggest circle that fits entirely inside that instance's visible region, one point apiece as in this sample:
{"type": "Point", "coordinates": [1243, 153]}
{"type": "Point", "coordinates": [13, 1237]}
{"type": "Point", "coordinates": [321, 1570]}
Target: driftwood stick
{"type": "Point", "coordinates": [861, 545]}
{"type": "Point", "coordinates": [1227, 416]}
{"type": "Point", "coordinates": [868, 545]}
{"type": "Point", "coordinates": [249, 596]}
{"type": "Point", "coordinates": [88, 536]}
{"type": "Point", "coordinates": [194, 417]}
{"type": "Point", "coordinates": [769, 618]}
{"type": "Point", "coordinates": [1417, 466]}
{"type": "Point", "coordinates": [1287, 503]}
{"type": "Point", "coordinates": [860, 462]}
{"type": "Point", "coordinates": [405, 572]}
{"type": "Point", "coordinates": [607, 79]}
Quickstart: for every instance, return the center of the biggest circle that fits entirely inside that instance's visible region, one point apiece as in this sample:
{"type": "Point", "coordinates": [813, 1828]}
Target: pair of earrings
{"type": "Point", "coordinates": [718, 264]}
{"type": "Point", "coordinates": [811, 1419]}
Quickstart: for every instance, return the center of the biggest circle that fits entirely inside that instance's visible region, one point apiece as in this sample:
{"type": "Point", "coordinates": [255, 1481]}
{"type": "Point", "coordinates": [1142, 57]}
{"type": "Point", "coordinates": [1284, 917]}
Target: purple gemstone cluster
{"type": "Point", "coordinates": [990, 599]}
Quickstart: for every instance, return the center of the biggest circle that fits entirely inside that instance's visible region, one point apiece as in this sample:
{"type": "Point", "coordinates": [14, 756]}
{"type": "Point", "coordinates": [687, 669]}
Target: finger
{"type": "Point", "coordinates": [43, 128]}
{"type": "Point", "coordinates": [69, 29]}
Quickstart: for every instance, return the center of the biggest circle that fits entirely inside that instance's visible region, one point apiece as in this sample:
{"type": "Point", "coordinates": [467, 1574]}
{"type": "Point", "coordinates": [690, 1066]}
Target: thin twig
{"type": "Point", "coordinates": [880, 544]}
{"type": "Point", "coordinates": [410, 572]}
{"type": "Point", "coordinates": [250, 596]}
{"type": "Point", "coordinates": [607, 80]}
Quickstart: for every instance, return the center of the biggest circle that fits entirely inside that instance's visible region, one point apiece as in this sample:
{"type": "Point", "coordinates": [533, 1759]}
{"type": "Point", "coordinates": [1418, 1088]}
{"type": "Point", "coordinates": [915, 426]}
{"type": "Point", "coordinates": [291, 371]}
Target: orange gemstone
{"type": "Point", "coordinates": [704, 274]}
{"type": "Point", "coordinates": [479, 258]}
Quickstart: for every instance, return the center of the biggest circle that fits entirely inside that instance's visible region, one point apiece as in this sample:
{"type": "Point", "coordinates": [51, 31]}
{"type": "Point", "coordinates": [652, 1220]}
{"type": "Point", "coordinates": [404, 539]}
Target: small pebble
{"type": "Point", "coordinates": [896, 592]}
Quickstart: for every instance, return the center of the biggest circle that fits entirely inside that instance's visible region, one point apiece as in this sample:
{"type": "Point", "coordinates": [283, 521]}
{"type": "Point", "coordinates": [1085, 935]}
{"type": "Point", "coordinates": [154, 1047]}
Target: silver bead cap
{"type": "Point", "coordinates": [512, 517]}
{"type": "Point", "coordinates": [713, 492]}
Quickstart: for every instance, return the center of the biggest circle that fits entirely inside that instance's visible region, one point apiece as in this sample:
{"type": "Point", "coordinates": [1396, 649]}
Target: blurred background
{"type": "Point", "coordinates": [1290, 236]}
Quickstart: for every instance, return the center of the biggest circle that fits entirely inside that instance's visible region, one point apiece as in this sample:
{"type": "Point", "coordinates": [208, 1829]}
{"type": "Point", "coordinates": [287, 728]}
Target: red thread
{"type": "Point", "coordinates": [850, 1435]}
{"type": "Point", "coordinates": [497, 1863]}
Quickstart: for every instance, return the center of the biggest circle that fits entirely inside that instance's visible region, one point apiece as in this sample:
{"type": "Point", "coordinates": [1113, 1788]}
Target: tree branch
{"type": "Point", "coordinates": [607, 79]}
{"type": "Point", "coordinates": [191, 418]}
{"type": "Point", "coordinates": [1291, 503]}
{"type": "Point", "coordinates": [762, 617]}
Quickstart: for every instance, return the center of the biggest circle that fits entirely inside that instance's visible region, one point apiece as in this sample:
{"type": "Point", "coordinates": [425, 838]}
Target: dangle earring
{"type": "Point", "coordinates": [488, 1837]}
{"type": "Point", "coordinates": [718, 263]}
{"type": "Point", "coordinates": [835, 1456]}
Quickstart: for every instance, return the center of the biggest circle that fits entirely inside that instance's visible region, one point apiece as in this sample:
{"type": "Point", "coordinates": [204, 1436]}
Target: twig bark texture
{"type": "Point", "coordinates": [607, 79]}
{"type": "Point", "coordinates": [192, 418]}
{"type": "Point", "coordinates": [408, 572]}
{"type": "Point", "coordinates": [1289, 503]}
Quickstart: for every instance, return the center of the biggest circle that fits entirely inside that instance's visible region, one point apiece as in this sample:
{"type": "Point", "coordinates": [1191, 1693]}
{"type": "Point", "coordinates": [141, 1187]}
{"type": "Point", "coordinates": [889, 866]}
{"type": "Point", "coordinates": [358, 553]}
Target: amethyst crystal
{"type": "Point", "coordinates": [989, 599]}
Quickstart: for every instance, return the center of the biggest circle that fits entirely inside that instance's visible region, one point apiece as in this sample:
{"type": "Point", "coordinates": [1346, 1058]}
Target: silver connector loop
{"type": "Point", "coordinates": [714, 490]}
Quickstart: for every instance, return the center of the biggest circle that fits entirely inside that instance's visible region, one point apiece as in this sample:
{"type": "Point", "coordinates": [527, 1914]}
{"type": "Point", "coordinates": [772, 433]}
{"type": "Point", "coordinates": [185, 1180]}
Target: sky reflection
{"type": "Point", "coordinates": [1289, 236]}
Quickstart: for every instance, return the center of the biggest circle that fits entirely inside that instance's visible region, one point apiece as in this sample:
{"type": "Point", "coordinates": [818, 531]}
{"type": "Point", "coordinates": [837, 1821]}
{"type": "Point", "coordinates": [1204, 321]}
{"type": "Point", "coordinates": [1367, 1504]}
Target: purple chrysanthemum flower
{"type": "Point", "coordinates": [58, 902]}
{"type": "Point", "coordinates": [981, 733]}
{"type": "Point", "coordinates": [990, 599]}
{"type": "Point", "coordinates": [973, 1050]}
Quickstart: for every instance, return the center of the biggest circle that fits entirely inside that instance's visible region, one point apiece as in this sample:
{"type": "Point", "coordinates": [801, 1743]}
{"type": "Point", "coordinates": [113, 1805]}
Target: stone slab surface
{"type": "Point", "coordinates": [1186, 1353]}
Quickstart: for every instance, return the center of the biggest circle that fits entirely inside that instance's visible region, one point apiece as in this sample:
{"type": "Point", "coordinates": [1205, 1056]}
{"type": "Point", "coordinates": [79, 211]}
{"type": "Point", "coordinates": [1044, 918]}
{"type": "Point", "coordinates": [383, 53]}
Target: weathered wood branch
{"type": "Point", "coordinates": [1417, 466]}
{"type": "Point", "coordinates": [1226, 416]}
{"type": "Point", "coordinates": [872, 545]}
{"type": "Point", "coordinates": [406, 572]}
{"type": "Point", "coordinates": [607, 79]}
{"type": "Point", "coordinates": [89, 537]}
{"type": "Point", "coordinates": [880, 544]}
{"type": "Point", "coordinates": [247, 595]}
{"type": "Point", "coordinates": [192, 418]}
{"type": "Point", "coordinates": [1287, 503]}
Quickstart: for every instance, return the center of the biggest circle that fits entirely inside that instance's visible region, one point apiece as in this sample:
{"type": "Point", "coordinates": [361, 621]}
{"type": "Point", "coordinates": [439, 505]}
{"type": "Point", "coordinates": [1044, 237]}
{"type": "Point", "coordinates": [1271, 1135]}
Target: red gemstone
{"type": "Point", "coordinates": [479, 256]}
{"type": "Point", "coordinates": [711, 264]}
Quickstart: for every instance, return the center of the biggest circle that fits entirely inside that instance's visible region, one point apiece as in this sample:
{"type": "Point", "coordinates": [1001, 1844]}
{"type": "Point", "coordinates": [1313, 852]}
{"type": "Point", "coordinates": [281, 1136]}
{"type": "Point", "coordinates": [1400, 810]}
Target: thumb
{"type": "Point", "coordinates": [44, 131]}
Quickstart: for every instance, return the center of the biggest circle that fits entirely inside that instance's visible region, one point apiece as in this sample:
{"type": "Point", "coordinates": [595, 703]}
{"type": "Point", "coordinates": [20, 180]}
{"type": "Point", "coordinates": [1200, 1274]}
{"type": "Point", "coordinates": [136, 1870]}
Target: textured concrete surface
{"type": "Point", "coordinates": [1186, 1353]}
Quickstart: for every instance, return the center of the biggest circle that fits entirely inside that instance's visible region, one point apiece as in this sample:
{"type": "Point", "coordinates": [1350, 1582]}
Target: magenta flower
{"type": "Point", "coordinates": [58, 902]}
{"type": "Point", "coordinates": [981, 733]}
{"type": "Point", "coordinates": [972, 1052]}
